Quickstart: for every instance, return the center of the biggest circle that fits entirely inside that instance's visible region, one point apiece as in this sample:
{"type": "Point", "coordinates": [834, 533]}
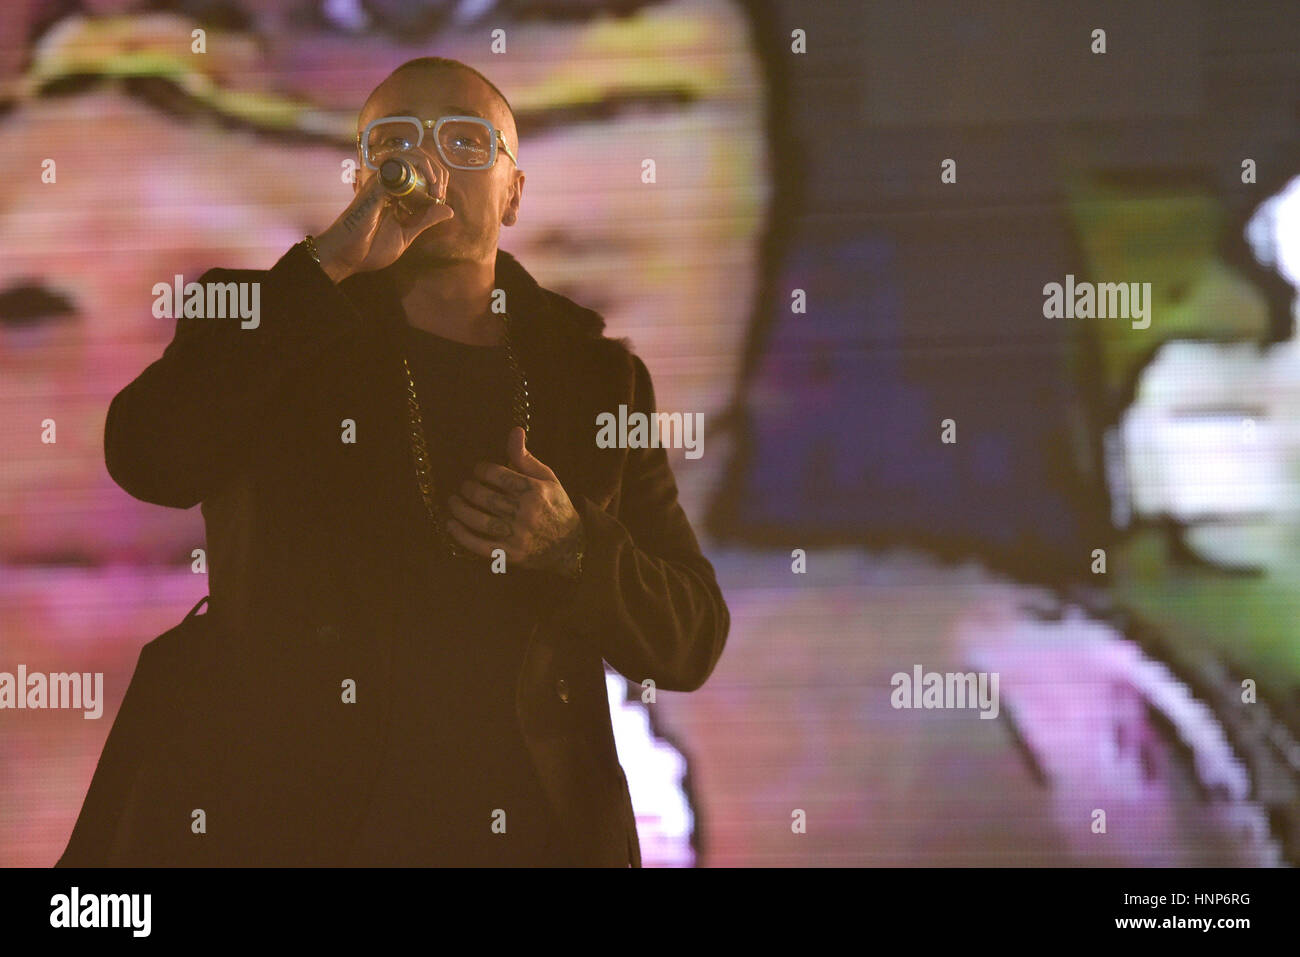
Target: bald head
{"type": "Point", "coordinates": [426, 73]}
{"type": "Point", "coordinates": [482, 200]}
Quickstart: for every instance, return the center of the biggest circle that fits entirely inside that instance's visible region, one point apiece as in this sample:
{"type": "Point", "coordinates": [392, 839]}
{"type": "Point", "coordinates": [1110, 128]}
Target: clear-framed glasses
{"type": "Point", "coordinates": [463, 142]}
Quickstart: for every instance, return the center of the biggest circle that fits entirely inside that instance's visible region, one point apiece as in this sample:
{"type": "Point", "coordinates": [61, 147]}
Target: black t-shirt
{"type": "Point", "coordinates": [455, 754]}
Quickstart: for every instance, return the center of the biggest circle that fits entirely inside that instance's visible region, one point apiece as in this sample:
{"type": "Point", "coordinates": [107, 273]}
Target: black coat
{"type": "Point", "coordinates": [237, 712]}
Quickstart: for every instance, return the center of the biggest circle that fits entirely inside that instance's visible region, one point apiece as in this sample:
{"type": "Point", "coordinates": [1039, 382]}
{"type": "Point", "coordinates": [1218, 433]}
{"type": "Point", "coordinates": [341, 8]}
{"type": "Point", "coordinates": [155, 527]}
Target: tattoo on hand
{"type": "Point", "coordinates": [351, 219]}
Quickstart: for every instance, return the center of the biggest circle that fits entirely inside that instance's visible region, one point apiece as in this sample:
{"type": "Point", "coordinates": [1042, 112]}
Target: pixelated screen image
{"type": "Point", "coordinates": [988, 312]}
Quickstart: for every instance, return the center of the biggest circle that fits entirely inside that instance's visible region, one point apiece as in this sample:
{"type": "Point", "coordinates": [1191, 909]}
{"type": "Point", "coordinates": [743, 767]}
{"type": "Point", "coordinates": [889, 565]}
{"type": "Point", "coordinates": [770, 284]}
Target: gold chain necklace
{"type": "Point", "coordinates": [521, 413]}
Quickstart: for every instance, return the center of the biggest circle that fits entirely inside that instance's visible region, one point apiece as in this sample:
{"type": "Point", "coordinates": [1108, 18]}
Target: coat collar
{"type": "Point", "coordinates": [563, 352]}
{"type": "Point", "coordinates": [543, 319]}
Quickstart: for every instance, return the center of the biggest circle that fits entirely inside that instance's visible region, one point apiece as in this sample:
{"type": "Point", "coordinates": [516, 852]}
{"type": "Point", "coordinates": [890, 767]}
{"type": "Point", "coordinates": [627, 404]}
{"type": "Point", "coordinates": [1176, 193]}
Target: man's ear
{"type": "Point", "coordinates": [511, 214]}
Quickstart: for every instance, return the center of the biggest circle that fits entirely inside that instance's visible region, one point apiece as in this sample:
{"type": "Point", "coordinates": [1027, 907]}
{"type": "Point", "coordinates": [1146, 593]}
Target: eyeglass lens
{"type": "Point", "coordinates": [461, 142]}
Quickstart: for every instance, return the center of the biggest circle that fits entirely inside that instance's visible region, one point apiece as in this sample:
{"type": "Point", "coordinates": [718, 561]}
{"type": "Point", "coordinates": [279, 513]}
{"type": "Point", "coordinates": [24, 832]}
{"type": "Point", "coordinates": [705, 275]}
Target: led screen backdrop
{"type": "Point", "coordinates": [915, 459]}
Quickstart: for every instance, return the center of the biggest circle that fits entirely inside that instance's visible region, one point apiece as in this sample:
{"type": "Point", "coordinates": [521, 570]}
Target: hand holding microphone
{"type": "Point", "coordinates": [392, 206]}
{"type": "Point", "coordinates": [400, 178]}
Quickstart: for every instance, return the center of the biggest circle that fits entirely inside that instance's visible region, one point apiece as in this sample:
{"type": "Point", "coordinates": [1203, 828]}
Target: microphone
{"type": "Point", "coordinates": [399, 177]}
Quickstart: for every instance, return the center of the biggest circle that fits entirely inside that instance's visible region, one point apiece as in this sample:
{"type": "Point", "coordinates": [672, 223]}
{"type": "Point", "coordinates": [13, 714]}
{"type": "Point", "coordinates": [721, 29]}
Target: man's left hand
{"type": "Point", "coordinates": [522, 509]}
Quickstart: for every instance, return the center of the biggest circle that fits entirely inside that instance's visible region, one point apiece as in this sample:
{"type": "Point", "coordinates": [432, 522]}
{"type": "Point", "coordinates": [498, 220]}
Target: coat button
{"type": "Point", "coordinates": [562, 689]}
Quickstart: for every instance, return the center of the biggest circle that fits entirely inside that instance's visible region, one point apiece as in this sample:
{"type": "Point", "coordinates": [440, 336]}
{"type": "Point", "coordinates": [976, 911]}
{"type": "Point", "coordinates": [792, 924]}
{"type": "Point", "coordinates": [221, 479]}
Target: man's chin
{"type": "Point", "coordinates": [429, 247]}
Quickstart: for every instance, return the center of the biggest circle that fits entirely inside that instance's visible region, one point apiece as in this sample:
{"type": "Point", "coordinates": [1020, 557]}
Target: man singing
{"type": "Point", "coordinates": [418, 554]}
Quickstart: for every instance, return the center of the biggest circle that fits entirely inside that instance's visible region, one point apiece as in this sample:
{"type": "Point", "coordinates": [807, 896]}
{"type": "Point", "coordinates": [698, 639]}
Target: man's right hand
{"type": "Point", "coordinates": [376, 229]}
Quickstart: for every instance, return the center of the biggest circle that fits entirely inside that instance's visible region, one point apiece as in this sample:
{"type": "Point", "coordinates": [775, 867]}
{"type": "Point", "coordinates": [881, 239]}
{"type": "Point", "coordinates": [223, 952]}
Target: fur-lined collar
{"type": "Point", "coordinates": [574, 371]}
{"type": "Point", "coordinates": [540, 313]}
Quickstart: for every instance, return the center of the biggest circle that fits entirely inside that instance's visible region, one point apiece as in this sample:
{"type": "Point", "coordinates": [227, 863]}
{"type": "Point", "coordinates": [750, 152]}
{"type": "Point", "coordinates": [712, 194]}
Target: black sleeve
{"type": "Point", "coordinates": [647, 597]}
{"type": "Point", "coordinates": [186, 424]}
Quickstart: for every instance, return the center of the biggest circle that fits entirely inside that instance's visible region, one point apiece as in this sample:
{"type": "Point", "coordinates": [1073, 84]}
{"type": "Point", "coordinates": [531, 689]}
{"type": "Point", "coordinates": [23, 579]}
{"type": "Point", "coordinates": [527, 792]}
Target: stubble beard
{"type": "Point", "coordinates": [434, 248]}
{"type": "Point", "coordinates": [436, 245]}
